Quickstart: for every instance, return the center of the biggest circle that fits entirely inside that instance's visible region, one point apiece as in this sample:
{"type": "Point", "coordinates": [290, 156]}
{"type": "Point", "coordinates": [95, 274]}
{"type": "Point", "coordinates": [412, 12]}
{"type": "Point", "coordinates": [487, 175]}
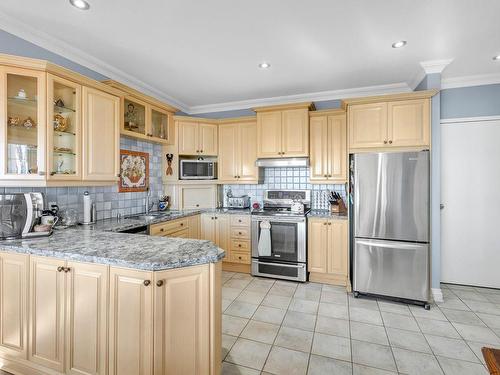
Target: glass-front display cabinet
{"type": "Point", "coordinates": [159, 123]}
{"type": "Point", "coordinates": [64, 129]}
{"type": "Point", "coordinates": [23, 124]}
{"type": "Point", "coordinates": [134, 116]}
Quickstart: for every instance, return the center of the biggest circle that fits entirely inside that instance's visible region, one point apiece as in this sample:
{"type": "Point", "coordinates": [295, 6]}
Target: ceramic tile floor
{"type": "Point", "coordinates": [278, 327]}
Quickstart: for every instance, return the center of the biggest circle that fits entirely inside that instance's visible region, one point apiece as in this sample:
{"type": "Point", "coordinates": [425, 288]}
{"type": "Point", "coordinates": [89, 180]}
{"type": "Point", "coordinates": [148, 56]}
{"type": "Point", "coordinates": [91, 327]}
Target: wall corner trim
{"type": "Point", "coordinates": [437, 295]}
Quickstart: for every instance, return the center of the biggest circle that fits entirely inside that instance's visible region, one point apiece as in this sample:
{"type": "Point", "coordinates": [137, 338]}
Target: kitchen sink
{"type": "Point", "coordinates": [148, 216]}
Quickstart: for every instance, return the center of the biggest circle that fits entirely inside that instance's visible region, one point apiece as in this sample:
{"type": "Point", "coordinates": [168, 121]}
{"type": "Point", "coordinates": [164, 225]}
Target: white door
{"type": "Point", "coordinates": [470, 186]}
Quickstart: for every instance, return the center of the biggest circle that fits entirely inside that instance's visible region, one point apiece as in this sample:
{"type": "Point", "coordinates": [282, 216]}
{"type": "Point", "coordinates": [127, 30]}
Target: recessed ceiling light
{"type": "Point", "coordinates": [399, 44]}
{"type": "Point", "coordinates": [496, 58]}
{"type": "Point", "coordinates": [80, 4]}
{"type": "Point", "coordinates": [264, 65]}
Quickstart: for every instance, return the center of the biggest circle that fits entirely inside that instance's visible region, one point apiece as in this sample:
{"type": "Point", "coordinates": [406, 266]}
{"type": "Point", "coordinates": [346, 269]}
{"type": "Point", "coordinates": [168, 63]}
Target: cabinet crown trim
{"type": "Point", "coordinates": [127, 91]}
{"type": "Point", "coordinates": [425, 94]}
{"type": "Point", "coordinates": [281, 107]}
{"type": "Point", "coordinates": [328, 112]}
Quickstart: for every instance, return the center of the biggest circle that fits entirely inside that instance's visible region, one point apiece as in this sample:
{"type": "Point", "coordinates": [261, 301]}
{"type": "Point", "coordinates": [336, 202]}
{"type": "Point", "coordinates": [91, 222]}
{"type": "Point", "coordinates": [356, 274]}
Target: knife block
{"type": "Point", "coordinates": [338, 207]}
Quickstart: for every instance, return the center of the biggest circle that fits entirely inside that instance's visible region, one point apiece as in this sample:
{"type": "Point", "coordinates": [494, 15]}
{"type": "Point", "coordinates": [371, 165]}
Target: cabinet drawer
{"type": "Point", "coordinates": [243, 233]}
{"type": "Point", "coordinates": [240, 245]}
{"type": "Point", "coordinates": [169, 227]}
{"type": "Point", "coordinates": [240, 257]}
{"type": "Point", "coordinates": [240, 221]}
{"type": "Point", "coordinates": [184, 233]}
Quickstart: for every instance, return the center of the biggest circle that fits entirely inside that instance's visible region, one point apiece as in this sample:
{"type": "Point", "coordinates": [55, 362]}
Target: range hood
{"type": "Point", "coordinates": [283, 162]}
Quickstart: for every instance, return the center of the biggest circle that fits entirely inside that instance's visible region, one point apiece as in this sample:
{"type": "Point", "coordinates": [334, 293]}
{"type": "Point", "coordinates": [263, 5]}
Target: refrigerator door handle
{"type": "Point", "coordinates": [398, 245]}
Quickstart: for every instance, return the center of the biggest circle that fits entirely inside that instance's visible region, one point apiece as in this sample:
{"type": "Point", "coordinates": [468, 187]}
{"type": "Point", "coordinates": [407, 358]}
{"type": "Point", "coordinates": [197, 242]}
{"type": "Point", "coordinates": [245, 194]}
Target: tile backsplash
{"type": "Point", "coordinates": [288, 178]}
{"type": "Point", "coordinates": [109, 202]}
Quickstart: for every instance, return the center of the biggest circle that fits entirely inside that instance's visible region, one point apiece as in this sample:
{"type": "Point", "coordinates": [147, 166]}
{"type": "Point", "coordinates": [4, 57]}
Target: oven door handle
{"type": "Point", "coordinates": [279, 264]}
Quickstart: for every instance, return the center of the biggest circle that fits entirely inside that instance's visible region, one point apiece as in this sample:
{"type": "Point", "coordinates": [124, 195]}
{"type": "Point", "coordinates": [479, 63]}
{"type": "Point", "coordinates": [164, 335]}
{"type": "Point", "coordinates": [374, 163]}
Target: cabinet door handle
{"type": "Point", "coordinates": [201, 151]}
{"type": "Point", "coordinates": [239, 220]}
{"type": "Point", "coordinates": [159, 283]}
{"type": "Point", "coordinates": [162, 230]}
{"type": "Point", "coordinates": [216, 218]}
{"type": "Point", "coordinates": [182, 224]}
{"type": "Point", "coordinates": [390, 142]}
{"type": "Point", "coordinates": [147, 282]}
{"type": "Point", "coordinates": [329, 223]}
{"type": "Point", "coordinates": [119, 175]}
{"type": "Point", "coordinates": [67, 269]}
{"type": "Point", "coordinates": [329, 175]}
{"type": "Point", "coordinates": [239, 233]}
{"type": "Point", "coordinates": [60, 269]}
{"type": "Point", "coordinates": [197, 205]}
{"type": "Point", "coordinates": [325, 223]}
{"type": "Point", "coordinates": [385, 142]}
{"type": "Point", "coordinates": [239, 245]}
{"type": "Point", "coordinates": [239, 258]}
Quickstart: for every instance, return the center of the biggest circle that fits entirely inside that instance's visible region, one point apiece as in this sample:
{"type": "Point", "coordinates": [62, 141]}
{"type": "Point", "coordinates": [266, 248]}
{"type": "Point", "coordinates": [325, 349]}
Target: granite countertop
{"type": "Point", "coordinates": [230, 211]}
{"type": "Point", "coordinates": [101, 243]}
{"type": "Point", "coordinates": [119, 249]}
{"type": "Point", "coordinates": [327, 214]}
{"type": "Point", "coordinates": [115, 225]}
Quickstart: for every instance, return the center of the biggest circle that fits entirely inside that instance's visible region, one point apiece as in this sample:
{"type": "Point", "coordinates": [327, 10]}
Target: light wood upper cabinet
{"type": "Point", "coordinates": [368, 125]}
{"type": "Point", "coordinates": [319, 148]}
{"type": "Point", "coordinates": [101, 137]}
{"type": "Point", "coordinates": [86, 319]}
{"type": "Point", "coordinates": [283, 132]}
{"type": "Point", "coordinates": [238, 152]}
{"type": "Point", "coordinates": [269, 134]}
{"type": "Point", "coordinates": [328, 249]}
{"type": "Point", "coordinates": [228, 152]}
{"type": "Point", "coordinates": [400, 121]}
{"type": "Point", "coordinates": [295, 132]}
{"type": "Point", "coordinates": [47, 314]}
{"type": "Point", "coordinates": [328, 138]}
{"type": "Point", "coordinates": [208, 139]}
{"type": "Point", "coordinates": [182, 310]}
{"type": "Point", "coordinates": [197, 138]}
{"type": "Point", "coordinates": [247, 142]}
{"type": "Point", "coordinates": [409, 123]}
{"type": "Point", "coordinates": [188, 138]}
{"type": "Point", "coordinates": [144, 117]}
{"type": "Point", "coordinates": [64, 138]}
{"type": "Point", "coordinates": [131, 322]}
{"type": "Point", "coordinates": [22, 124]}
{"type": "Point", "coordinates": [14, 276]}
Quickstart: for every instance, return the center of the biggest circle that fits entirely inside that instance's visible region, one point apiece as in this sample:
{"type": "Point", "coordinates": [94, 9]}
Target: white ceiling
{"type": "Point", "coordinates": [202, 54]}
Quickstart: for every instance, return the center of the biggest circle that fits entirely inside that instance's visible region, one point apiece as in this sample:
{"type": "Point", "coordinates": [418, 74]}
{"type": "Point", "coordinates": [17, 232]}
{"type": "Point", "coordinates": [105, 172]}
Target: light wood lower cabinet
{"type": "Point", "coordinates": [328, 255]}
{"type": "Point", "coordinates": [14, 271]}
{"type": "Point", "coordinates": [186, 227]}
{"type": "Point", "coordinates": [85, 319]}
{"type": "Point", "coordinates": [182, 308]}
{"type": "Point", "coordinates": [130, 322]}
{"type": "Point", "coordinates": [47, 313]}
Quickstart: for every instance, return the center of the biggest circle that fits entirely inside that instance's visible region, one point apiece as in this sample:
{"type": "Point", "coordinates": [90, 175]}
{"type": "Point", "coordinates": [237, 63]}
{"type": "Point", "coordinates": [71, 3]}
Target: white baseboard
{"type": "Point", "coordinates": [437, 294]}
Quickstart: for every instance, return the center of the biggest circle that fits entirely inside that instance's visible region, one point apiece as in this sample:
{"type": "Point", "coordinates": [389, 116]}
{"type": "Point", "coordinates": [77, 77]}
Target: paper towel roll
{"type": "Point", "coordinates": [87, 208]}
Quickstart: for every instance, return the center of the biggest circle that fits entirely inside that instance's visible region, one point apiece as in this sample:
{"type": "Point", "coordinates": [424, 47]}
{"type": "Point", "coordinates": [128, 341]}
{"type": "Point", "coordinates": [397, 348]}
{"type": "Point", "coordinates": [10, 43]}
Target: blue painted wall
{"type": "Point", "coordinates": [475, 101]}
{"type": "Point", "coordinates": [13, 45]}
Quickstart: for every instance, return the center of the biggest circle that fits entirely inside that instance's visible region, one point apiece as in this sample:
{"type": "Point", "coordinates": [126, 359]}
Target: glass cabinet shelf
{"type": "Point", "coordinates": [60, 109]}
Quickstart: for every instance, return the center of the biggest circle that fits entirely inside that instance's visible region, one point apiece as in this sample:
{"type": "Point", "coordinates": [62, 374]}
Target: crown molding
{"type": "Point", "coordinates": [468, 81]}
{"type": "Point", "coordinates": [435, 66]}
{"type": "Point", "coordinates": [417, 78]}
{"type": "Point", "coordinates": [68, 51]}
{"type": "Point", "coordinates": [299, 98]}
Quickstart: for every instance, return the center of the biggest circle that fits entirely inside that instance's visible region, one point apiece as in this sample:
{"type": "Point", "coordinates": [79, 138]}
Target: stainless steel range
{"type": "Point", "coordinates": [279, 235]}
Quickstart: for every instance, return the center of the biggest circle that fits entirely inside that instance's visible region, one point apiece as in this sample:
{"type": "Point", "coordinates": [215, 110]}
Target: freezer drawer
{"type": "Point", "coordinates": [391, 268]}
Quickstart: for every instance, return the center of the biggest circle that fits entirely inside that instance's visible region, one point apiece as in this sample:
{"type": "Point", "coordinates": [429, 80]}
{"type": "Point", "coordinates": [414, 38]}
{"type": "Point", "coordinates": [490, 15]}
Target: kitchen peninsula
{"type": "Point", "coordinates": [93, 301]}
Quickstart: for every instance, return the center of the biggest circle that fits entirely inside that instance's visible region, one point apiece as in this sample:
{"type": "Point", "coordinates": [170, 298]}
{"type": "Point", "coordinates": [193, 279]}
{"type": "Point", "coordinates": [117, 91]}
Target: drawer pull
{"type": "Point", "coordinates": [239, 245]}
{"type": "Point", "coordinates": [197, 205]}
{"type": "Point", "coordinates": [182, 224]}
{"type": "Point", "coordinates": [60, 269]}
{"type": "Point", "coordinates": [147, 282]}
{"type": "Point", "coordinates": [390, 142]}
{"type": "Point", "coordinates": [162, 230]}
{"type": "Point", "coordinates": [239, 258]}
{"type": "Point", "coordinates": [239, 220]}
{"type": "Point", "coordinates": [159, 283]}
{"type": "Point", "coordinates": [240, 233]}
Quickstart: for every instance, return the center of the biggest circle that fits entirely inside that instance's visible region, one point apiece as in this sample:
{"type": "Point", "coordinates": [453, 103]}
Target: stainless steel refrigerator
{"type": "Point", "coordinates": [391, 224]}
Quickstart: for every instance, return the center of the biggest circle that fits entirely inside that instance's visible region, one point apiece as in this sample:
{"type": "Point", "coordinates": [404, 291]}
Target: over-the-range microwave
{"type": "Point", "coordinates": [198, 170]}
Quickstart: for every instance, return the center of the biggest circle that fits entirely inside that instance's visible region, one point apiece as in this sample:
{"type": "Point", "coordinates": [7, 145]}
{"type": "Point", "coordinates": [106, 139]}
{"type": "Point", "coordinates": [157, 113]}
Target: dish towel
{"type": "Point", "coordinates": [265, 239]}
